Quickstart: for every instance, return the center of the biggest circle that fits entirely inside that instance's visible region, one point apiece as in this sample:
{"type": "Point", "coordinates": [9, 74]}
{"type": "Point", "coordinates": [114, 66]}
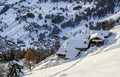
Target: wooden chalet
{"type": "Point", "coordinates": [97, 39]}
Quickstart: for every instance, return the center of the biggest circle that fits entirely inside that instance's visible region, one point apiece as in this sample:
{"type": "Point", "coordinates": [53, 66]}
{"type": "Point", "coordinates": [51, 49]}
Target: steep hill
{"type": "Point", "coordinates": [39, 23]}
{"type": "Point", "coordinates": [105, 61]}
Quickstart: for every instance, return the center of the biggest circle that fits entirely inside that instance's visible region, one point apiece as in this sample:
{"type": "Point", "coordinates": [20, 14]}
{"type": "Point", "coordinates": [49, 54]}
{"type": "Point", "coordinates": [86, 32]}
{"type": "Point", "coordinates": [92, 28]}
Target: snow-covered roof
{"type": "Point", "coordinates": [69, 52]}
{"type": "Point", "coordinates": [69, 46]}
{"type": "Point", "coordinates": [97, 35]}
{"type": "Point", "coordinates": [105, 33]}
{"type": "Point", "coordinates": [82, 36]}
{"type": "Point", "coordinates": [76, 43]}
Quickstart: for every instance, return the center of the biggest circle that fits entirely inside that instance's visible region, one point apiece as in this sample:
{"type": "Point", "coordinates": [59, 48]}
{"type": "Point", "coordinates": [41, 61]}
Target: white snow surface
{"type": "Point", "coordinates": [69, 46]}
{"type": "Point", "coordinates": [97, 35]}
{"type": "Point", "coordinates": [68, 51]}
{"type": "Point", "coordinates": [15, 30]}
{"type": "Point", "coordinates": [105, 33]}
{"type": "Point", "coordinates": [113, 17]}
{"type": "Point", "coordinates": [104, 62]}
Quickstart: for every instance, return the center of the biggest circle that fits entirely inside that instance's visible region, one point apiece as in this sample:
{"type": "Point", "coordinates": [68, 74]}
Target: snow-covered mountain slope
{"type": "Point", "coordinates": [38, 23]}
{"type": "Point", "coordinates": [104, 64]}
{"type": "Point", "coordinates": [114, 17]}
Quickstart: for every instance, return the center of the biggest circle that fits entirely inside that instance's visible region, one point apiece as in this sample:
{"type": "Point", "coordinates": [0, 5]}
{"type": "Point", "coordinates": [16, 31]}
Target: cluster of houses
{"type": "Point", "coordinates": [81, 42]}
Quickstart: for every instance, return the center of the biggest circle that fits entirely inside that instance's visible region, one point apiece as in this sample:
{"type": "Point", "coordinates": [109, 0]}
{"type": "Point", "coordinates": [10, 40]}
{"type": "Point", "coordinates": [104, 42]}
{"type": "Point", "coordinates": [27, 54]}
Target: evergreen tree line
{"type": "Point", "coordinates": [104, 25]}
{"type": "Point", "coordinates": [66, 0]}
{"type": "Point", "coordinates": [17, 55]}
{"type": "Point", "coordinates": [12, 54]}
{"type": "Point", "coordinates": [30, 58]}
{"type": "Point", "coordinates": [103, 7]}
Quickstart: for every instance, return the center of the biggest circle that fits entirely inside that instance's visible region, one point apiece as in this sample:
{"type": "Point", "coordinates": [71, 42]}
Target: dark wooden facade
{"type": "Point", "coordinates": [96, 41]}
{"type": "Point", "coordinates": [61, 56]}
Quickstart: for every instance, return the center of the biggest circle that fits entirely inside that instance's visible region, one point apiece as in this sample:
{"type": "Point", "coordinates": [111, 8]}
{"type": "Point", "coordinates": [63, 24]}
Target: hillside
{"type": "Point", "coordinates": [39, 23]}
{"type": "Point", "coordinates": [60, 38]}
{"type": "Point", "coordinates": [105, 64]}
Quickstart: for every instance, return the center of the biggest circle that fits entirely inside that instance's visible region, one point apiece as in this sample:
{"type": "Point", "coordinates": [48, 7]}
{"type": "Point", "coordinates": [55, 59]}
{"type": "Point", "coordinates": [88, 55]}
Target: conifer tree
{"type": "Point", "coordinates": [14, 69]}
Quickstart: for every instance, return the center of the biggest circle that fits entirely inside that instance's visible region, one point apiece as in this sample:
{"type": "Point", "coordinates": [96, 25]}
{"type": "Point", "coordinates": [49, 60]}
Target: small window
{"type": "Point", "coordinates": [85, 42]}
{"type": "Point", "coordinates": [65, 51]}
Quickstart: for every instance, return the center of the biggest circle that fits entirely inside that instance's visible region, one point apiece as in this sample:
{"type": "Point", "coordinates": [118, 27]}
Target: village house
{"type": "Point", "coordinates": [67, 53]}
{"type": "Point", "coordinates": [81, 42]}
{"type": "Point", "coordinates": [97, 39]}
{"type": "Point", "coordinates": [72, 47]}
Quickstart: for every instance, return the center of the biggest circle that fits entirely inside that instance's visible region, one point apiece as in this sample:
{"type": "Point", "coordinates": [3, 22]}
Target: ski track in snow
{"type": "Point", "coordinates": [67, 68]}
